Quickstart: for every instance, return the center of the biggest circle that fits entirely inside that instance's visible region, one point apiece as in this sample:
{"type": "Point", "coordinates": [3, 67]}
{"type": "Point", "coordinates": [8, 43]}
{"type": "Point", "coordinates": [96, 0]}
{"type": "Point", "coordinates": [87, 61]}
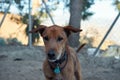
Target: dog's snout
{"type": "Point", "coordinates": [51, 54]}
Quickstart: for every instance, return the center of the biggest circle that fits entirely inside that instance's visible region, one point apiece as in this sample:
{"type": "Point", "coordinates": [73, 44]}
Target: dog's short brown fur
{"type": "Point", "coordinates": [55, 40]}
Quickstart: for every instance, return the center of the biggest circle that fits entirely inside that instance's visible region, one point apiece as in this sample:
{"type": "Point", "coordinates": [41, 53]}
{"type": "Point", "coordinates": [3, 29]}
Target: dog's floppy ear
{"type": "Point", "coordinates": [39, 29]}
{"type": "Point", "coordinates": [69, 29]}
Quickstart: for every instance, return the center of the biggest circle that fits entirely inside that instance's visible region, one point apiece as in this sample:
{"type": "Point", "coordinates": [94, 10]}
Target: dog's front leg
{"type": "Point", "coordinates": [78, 75]}
{"type": "Point", "coordinates": [78, 72]}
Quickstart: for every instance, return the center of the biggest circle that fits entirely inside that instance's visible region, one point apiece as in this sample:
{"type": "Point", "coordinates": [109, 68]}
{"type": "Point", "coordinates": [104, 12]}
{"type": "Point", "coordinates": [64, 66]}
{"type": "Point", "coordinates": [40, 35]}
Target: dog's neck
{"type": "Point", "coordinates": [62, 58]}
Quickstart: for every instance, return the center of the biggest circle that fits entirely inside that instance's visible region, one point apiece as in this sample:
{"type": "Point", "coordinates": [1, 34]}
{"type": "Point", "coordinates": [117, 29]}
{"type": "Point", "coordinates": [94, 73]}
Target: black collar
{"type": "Point", "coordinates": [62, 59]}
{"type": "Point", "coordinates": [57, 63]}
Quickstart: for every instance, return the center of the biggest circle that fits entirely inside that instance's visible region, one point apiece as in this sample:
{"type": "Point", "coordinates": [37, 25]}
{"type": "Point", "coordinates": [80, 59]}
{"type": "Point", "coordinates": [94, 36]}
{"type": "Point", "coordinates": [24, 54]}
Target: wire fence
{"type": "Point", "coordinates": [97, 28]}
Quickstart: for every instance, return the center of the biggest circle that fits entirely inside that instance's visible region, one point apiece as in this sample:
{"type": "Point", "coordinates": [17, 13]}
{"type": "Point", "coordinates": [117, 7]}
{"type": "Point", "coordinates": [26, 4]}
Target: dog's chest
{"type": "Point", "coordinates": [59, 77]}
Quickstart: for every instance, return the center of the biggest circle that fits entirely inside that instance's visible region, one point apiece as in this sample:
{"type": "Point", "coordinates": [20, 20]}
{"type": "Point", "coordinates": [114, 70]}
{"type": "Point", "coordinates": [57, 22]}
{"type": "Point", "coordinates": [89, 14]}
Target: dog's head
{"type": "Point", "coordinates": [55, 39]}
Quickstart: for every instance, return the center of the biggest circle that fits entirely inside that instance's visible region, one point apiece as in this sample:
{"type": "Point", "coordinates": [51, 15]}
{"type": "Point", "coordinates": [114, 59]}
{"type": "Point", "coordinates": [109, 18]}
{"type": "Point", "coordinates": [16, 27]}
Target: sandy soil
{"type": "Point", "coordinates": [24, 63]}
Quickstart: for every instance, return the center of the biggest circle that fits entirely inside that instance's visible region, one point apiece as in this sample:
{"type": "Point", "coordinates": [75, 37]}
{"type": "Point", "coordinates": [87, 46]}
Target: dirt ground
{"type": "Point", "coordinates": [24, 63]}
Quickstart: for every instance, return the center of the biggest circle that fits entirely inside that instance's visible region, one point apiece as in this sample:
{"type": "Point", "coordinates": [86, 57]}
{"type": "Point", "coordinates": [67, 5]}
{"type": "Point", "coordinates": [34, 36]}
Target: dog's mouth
{"type": "Point", "coordinates": [55, 58]}
{"type": "Point", "coordinates": [51, 58]}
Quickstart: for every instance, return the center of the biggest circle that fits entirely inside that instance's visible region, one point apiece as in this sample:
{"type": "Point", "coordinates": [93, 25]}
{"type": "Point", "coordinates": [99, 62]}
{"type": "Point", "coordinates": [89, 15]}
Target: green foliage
{"type": "Point", "coordinates": [117, 4]}
{"type": "Point", "coordinates": [52, 5]}
{"type": "Point", "coordinates": [34, 36]}
{"type": "Point", "coordinates": [25, 18]}
{"type": "Point", "coordinates": [35, 24]}
{"type": "Point", "coordinates": [86, 15]}
{"type": "Point", "coordinates": [7, 1]}
{"type": "Point", "coordinates": [9, 41]}
{"type": "Point", "coordinates": [2, 42]}
{"type": "Point", "coordinates": [13, 41]}
{"type": "Point", "coordinates": [86, 5]}
{"type": "Point", "coordinates": [17, 1]}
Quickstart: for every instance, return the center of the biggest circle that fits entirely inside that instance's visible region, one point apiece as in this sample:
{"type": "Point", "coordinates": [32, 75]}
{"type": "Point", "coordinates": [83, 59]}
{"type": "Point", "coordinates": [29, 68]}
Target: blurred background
{"type": "Point", "coordinates": [96, 17]}
{"type": "Point", "coordinates": [22, 54]}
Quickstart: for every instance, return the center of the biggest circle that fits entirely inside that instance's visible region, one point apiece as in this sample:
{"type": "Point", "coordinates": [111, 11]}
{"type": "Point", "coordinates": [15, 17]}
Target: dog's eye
{"type": "Point", "coordinates": [59, 39]}
{"type": "Point", "coordinates": [46, 38]}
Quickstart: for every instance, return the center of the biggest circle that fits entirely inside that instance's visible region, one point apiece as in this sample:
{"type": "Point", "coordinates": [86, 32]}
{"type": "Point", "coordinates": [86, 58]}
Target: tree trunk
{"type": "Point", "coordinates": [75, 21]}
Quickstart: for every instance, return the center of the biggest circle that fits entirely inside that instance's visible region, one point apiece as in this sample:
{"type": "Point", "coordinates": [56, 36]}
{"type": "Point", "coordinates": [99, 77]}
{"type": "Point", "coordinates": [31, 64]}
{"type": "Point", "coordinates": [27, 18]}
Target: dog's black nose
{"type": "Point", "coordinates": [51, 54]}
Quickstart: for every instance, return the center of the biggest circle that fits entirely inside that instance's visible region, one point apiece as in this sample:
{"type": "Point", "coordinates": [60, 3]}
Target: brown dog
{"type": "Point", "coordinates": [61, 61]}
